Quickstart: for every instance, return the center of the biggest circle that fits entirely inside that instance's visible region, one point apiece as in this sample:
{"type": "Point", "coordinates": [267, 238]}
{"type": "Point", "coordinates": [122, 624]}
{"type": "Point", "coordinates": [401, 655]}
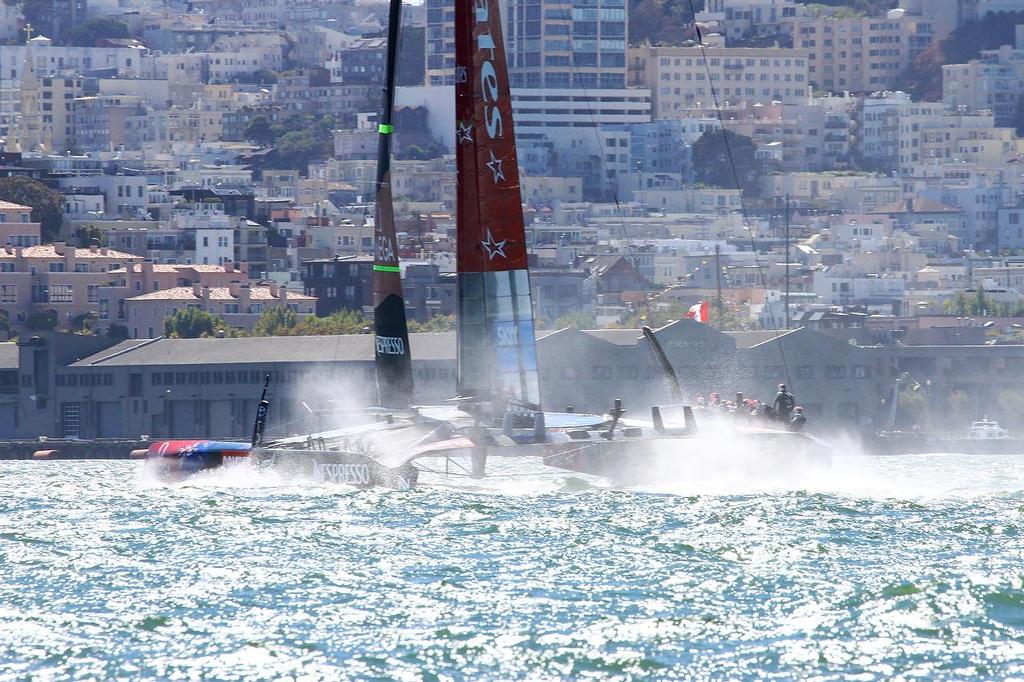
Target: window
{"type": "Point", "coordinates": [835, 372]}
{"type": "Point", "coordinates": [61, 293]}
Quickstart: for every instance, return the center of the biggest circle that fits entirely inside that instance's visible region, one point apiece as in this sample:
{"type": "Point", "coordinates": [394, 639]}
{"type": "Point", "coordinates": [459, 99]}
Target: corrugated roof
{"type": "Point", "coordinates": [268, 349]}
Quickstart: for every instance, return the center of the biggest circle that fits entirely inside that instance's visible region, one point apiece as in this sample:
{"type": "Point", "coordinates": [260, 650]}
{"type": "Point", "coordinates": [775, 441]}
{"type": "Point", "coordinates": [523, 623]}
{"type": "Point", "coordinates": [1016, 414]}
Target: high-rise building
{"type": "Point", "coordinates": [549, 43]}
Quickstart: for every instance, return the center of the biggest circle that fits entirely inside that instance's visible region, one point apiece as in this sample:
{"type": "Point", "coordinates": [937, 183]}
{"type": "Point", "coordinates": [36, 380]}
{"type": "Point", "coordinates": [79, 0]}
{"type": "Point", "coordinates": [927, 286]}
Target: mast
{"type": "Point", "coordinates": [392, 357]}
{"type": "Point", "coordinates": [497, 355]}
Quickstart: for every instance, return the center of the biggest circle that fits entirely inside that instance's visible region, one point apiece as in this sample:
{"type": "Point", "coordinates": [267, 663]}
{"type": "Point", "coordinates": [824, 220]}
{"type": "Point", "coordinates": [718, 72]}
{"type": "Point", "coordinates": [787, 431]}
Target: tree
{"type": "Point", "coordinates": [411, 56]}
{"type": "Point", "coordinates": [192, 323]}
{"type": "Point", "coordinates": [722, 158]}
{"type": "Point", "coordinates": [298, 148]}
{"type": "Point", "coordinates": [89, 235]}
{"type": "Point", "coordinates": [87, 33]}
{"type": "Point", "coordinates": [923, 79]}
{"type": "Point", "coordinates": [41, 320]}
{"type": "Point", "coordinates": [438, 323]}
{"type": "Point", "coordinates": [275, 321]}
{"type": "Point", "coordinates": [259, 131]}
{"type": "Point", "coordinates": [661, 22]}
{"type": "Point", "coordinates": [47, 204]}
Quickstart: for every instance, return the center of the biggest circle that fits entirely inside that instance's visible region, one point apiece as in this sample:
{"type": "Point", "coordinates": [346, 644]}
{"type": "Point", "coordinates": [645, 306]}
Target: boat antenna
{"type": "Point", "coordinates": [392, 356]}
{"type": "Point", "coordinates": [736, 180]}
{"type": "Point", "coordinates": [261, 415]}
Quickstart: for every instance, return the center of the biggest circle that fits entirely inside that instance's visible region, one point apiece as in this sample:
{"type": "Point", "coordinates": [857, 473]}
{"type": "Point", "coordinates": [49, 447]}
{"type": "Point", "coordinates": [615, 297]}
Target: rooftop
{"type": "Point", "coordinates": [250, 350]}
{"type": "Point", "coordinates": [217, 294]}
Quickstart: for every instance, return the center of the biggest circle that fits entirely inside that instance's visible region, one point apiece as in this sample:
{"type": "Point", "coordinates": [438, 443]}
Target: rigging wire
{"type": "Point", "coordinates": [736, 179]}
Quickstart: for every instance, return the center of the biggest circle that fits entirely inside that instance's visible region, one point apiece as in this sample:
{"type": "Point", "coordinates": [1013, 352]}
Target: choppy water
{"type": "Point", "coordinates": [907, 567]}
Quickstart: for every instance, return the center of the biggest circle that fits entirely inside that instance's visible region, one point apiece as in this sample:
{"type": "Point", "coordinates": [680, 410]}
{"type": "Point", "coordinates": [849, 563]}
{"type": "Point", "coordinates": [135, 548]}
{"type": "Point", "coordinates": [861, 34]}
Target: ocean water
{"type": "Point", "coordinates": [880, 568]}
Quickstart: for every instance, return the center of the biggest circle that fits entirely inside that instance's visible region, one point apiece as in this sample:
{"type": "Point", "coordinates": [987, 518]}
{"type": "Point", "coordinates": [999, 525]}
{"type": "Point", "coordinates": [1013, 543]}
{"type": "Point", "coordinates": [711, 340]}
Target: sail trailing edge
{"type": "Point", "coordinates": [392, 356]}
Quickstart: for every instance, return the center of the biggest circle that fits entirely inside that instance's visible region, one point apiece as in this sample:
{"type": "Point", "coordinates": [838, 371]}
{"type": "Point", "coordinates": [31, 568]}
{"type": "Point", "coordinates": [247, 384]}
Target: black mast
{"type": "Point", "coordinates": [393, 359]}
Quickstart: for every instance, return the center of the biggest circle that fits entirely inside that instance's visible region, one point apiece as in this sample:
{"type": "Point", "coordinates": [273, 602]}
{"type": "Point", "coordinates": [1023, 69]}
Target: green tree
{"type": "Point", "coordinates": [47, 204]}
{"type": "Point", "coordinates": [718, 153]}
{"type": "Point", "coordinates": [438, 323]}
{"type": "Point", "coordinates": [958, 305]}
{"type": "Point", "coordinates": [299, 148]}
{"type": "Point", "coordinates": [87, 33]}
{"type": "Point", "coordinates": [192, 323]}
{"type": "Point", "coordinates": [41, 320]}
{"type": "Point", "coordinates": [923, 79]}
{"type": "Point", "coordinates": [277, 321]}
{"type": "Point", "coordinates": [661, 22]}
{"type": "Point", "coordinates": [88, 235]}
{"type": "Point", "coordinates": [259, 131]}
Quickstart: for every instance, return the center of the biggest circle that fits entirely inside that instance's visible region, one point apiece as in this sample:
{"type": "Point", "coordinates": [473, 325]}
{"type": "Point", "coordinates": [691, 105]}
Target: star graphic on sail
{"type": "Point", "coordinates": [464, 132]}
{"type": "Point", "coordinates": [492, 247]}
{"type": "Point", "coordinates": [495, 165]}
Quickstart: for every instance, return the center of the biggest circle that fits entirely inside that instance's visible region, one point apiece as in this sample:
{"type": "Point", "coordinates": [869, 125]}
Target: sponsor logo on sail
{"type": "Point", "coordinates": [507, 335]}
{"type": "Point", "coordinates": [390, 345]}
{"type": "Point", "coordinates": [349, 474]}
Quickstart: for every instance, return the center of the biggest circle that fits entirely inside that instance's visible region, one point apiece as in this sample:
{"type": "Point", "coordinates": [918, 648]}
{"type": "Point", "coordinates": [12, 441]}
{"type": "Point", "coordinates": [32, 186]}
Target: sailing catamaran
{"type": "Point", "coordinates": [497, 412]}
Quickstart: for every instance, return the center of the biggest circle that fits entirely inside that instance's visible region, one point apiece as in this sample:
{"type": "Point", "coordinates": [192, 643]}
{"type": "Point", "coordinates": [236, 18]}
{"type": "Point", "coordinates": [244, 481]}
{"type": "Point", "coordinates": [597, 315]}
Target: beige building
{"type": "Point", "coordinates": [993, 82]}
{"type": "Point", "coordinates": [858, 54]}
{"type": "Point", "coordinates": [16, 226]}
{"type": "Point", "coordinates": [55, 278]}
{"type": "Point", "coordinates": [679, 80]}
{"type": "Point", "coordinates": [239, 303]}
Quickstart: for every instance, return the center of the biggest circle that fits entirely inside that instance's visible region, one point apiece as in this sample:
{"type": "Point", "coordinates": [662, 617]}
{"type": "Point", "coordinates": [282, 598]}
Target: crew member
{"type": "Point", "coordinates": [798, 421]}
{"type": "Point", "coordinates": [784, 403]}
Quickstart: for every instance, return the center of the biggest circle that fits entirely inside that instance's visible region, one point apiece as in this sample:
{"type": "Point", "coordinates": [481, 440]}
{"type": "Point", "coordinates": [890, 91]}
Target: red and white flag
{"type": "Point", "coordinates": [698, 312]}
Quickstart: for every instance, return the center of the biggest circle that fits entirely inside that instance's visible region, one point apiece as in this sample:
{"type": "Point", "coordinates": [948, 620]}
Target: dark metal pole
{"type": "Point", "coordinates": [718, 274]}
{"type": "Point", "coordinates": [787, 261]}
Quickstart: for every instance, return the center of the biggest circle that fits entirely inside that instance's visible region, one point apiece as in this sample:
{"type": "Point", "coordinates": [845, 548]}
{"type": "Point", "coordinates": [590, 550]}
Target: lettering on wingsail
{"type": "Point", "coordinates": [507, 335]}
{"type": "Point", "coordinates": [390, 345]}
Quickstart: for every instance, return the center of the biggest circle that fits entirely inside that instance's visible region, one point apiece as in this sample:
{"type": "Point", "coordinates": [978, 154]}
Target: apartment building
{"type": "Point", "coordinates": [239, 303]}
{"type": "Point", "coordinates": [994, 82]}
{"type": "Point", "coordinates": [55, 278]}
{"type": "Point", "coordinates": [16, 226]}
{"type": "Point", "coordinates": [680, 79]}
{"type": "Point", "coordinates": [739, 19]}
{"type": "Point", "coordinates": [549, 43]}
{"type": "Point", "coordinates": [856, 54]}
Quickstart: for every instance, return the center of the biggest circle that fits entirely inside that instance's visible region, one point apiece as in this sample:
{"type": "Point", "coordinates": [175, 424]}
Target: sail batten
{"type": "Point", "coordinates": [497, 350]}
{"type": "Point", "coordinates": [392, 356]}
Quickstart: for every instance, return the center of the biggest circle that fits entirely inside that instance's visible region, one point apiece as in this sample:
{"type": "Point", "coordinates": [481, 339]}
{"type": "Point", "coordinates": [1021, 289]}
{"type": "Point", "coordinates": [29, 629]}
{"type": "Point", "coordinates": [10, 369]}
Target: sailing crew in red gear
{"type": "Point", "coordinates": [784, 403]}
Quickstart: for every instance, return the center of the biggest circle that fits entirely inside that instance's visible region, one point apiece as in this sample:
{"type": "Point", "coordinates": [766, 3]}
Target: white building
{"type": "Point", "coordinates": [678, 77]}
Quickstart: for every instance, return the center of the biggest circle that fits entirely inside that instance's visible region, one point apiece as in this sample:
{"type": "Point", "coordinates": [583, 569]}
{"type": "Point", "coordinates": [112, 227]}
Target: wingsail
{"type": "Point", "coordinates": [497, 356]}
{"type": "Point", "coordinates": [392, 356]}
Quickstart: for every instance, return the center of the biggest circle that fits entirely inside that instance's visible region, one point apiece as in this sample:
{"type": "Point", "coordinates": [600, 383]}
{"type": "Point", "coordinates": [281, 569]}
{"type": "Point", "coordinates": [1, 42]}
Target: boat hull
{"type": "Point", "coordinates": [335, 467]}
{"type": "Point", "coordinates": [178, 459]}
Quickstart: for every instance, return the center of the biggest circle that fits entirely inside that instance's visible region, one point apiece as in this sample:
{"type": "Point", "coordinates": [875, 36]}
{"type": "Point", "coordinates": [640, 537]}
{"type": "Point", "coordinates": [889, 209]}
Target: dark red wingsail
{"type": "Point", "coordinates": [497, 349]}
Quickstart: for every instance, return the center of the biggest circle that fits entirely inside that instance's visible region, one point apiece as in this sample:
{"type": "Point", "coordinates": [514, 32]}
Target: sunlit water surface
{"type": "Point", "coordinates": [901, 567]}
